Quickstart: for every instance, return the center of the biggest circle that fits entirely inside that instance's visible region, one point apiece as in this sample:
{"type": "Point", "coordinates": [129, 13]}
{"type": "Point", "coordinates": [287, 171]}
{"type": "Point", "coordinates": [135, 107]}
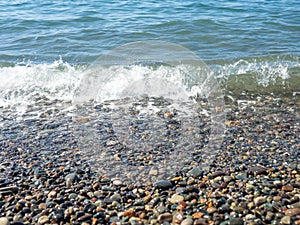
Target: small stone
{"type": "Point", "coordinates": [218, 174]}
{"type": "Point", "coordinates": [43, 220]}
{"type": "Point", "coordinates": [129, 213]}
{"type": "Point", "coordinates": [236, 221]}
{"type": "Point", "coordinates": [250, 217]}
{"type": "Point", "coordinates": [227, 179]}
{"type": "Point", "coordinates": [177, 218]}
{"type": "Point", "coordinates": [153, 172]}
{"type": "Point", "coordinates": [285, 220]}
{"type": "Point", "coordinates": [163, 184]}
{"type": "Point", "coordinates": [42, 206]}
{"type": "Point", "coordinates": [269, 216]}
{"type": "Point", "coordinates": [211, 210]}
{"type": "Point", "coordinates": [73, 196]}
{"type": "Point", "coordinates": [165, 217]}
{"type": "Point", "coordinates": [196, 172]}
{"type": "Point", "coordinates": [256, 170]}
{"type": "Point", "coordinates": [176, 198]}
{"type": "Point", "coordinates": [260, 200]}
{"type": "Point", "coordinates": [161, 209]}
{"type": "Point", "coordinates": [4, 221]}
{"type": "Point", "coordinates": [116, 197]}
{"type": "Point", "coordinates": [292, 212]}
{"type": "Point", "coordinates": [117, 183]}
{"type": "Point", "coordinates": [287, 188]}
{"type": "Point", "coordinates": [277, 183]}
{"type": "Point", "coordinates": [198, 215]}
{"type": "Point", "coordinates": [277, 198]}
{"type": "Point", "coordinates": [52, 194]}
{"type": "Point", "coordinates": [70, 178]}
{"type": "Point", "coordinates": [224, 208]}
{"type": "Point", "coordinates": [187, 221]}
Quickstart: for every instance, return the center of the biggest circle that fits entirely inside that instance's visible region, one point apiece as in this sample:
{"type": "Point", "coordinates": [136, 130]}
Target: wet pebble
{"type": "Point", "coordinates": [163, 184]}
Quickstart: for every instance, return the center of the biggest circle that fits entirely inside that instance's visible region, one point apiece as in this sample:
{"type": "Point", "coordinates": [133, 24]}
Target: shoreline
{"type": "Point", "coordinates": [254, 179]}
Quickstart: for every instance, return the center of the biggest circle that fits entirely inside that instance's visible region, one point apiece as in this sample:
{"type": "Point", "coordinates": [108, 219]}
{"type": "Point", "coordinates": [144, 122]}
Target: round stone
{"type": "Point", "coordinates": [187, 221]}
{"type": "Point", "coordinates": [4, 221]}
{"type": "Point", "coordinates": [176, 198]}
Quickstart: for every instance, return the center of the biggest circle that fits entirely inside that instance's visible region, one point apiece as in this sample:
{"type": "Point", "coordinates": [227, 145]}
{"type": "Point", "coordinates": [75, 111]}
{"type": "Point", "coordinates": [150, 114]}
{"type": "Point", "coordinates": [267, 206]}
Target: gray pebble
{"type": "Point", "coordinates": [163, 184]}
{"type": "Point", "coordinates": [236, 221]}
{"type": "Point", "coordinates": [187, 221]}
{"type": "Point", "coordinates": [196, 172]}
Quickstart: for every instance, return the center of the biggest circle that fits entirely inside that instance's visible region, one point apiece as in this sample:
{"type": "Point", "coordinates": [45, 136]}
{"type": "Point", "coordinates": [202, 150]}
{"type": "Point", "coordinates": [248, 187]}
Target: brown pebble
{"type": "Point", "coordinates": [198, 215]}
{"type": "Point", "coordinates": [287, 188]}
{"type": "Point", "coordinates": [260, 200]}
{"type": "Point", "coordinates": [292, 212]}
{"type": "Point", "coordinates": [52, 194]}
{"type": "Point", "coordinates": [42, 206]}
{"type": "Point", "coordinates": [129, 212]}
{"type": "Point", "coordinates": [165, 217]}
{"type": "Point", "coordinates": [277, 198]}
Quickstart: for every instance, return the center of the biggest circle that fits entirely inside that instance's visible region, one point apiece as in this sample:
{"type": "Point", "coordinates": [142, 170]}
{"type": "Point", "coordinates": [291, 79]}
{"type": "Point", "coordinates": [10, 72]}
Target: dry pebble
{"type": "Point", "coordinates": [187, 221]}
{"type": "Point", "coordinates": [4, 221]}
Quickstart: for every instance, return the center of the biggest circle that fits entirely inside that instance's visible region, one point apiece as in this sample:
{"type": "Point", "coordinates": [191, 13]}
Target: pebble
{"type": "Point", "coordinates": [117, 183]}
{"type": "Point", "coordinates": [165, 217]}
{"type": "Point", "coordinates": [285, 220]}
{"type": "Point", "coordinates": [287, 188]}
{"type": "Point", "coordinates": [177, 218]}
{"type": "Point", "coordinates": [163, 184]}
{"type": "Point", "coordinates": [43, 219]}
{"type": "Point", "coordinates": [277, 198]}
{"type": "Point", "coordinates": [227, 179]}
{"type": "Point", "coordinates": [217, 174]}
{"type": "Point", "coordinates": [256, 170]}
{"type": "Point", "coordinates": [4, 221]}
{"type": "Point", "coordinates": [260, 200]}
{"type": "Point", "coordinates": [176, 198]}
{"type": "Point", "coordinates": [292, 212]}
{"type": "Point", "coordinates": [196, 172]}
{"type": "Point", "coordinates": [187, 221]}
{"type": "Point", "coordinates": [236, 221]}
{"type": "Point", "coordinates": [211, 210]}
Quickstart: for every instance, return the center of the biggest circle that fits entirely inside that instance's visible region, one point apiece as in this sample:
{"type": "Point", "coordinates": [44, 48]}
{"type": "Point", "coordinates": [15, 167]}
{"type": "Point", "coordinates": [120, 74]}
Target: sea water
{"type": "Point", "coordinates": [45, 46]}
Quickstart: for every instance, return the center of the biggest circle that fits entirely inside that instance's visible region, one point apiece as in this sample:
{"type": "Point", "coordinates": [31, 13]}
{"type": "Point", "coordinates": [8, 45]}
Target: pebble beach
{"type": "Point", "coordinates": [254, 179]}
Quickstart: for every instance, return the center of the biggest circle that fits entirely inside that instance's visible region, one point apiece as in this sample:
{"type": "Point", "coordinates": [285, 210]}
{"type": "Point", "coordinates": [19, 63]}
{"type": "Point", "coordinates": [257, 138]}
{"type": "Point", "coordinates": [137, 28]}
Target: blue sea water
{"type": "Point", "coordinates": [46, 45]}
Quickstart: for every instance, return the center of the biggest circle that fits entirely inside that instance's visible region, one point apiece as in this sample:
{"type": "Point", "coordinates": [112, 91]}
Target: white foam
{"type": "Point", "coordinates": [23, 84]}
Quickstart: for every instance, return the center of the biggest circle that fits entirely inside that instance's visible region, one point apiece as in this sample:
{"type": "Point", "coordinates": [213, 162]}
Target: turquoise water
{"type": "Point", "coordinates": [41, 42]}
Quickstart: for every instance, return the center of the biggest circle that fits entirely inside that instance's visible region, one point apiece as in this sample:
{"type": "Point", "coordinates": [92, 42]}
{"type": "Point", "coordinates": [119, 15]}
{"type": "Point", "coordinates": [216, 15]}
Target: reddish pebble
{"type": "Point", "coordinates": [287, 188]}
{"type": "Point", "coordinates": [292, 212]}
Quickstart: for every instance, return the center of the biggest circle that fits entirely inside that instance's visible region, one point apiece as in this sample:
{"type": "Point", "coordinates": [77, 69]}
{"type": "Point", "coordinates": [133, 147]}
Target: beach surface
{"type": "Point", "coordinates": [254, 178]}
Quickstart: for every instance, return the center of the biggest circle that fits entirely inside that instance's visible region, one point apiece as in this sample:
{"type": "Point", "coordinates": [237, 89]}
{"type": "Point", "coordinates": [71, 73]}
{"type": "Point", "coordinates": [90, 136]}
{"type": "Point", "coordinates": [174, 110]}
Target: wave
{"type": "Point", "coordinates": [26, 83]}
